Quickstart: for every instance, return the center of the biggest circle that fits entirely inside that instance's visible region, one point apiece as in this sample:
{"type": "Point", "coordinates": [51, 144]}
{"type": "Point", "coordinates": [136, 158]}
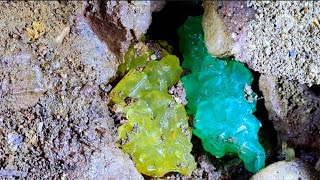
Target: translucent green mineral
{"type": "Point", "coordinates": [157, 134]}
{"type": "Point", "coordinates": [220, 99]}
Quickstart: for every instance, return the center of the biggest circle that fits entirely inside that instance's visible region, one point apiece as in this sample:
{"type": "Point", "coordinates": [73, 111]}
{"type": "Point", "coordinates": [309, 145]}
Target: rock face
{"type": "Point", "coordinates": [294, 110]}
{"type": "Point", "coordinates": [218, 39]}
{"type": "Point", "coordinates": [119, 22]}
{"type": "Point", "coordinates": [286, 170]}
{"type": "Point", "coordinates": [54, 70]}
{"type": "Point", "coordinates": [224, 25]}
{"type": "Point", "coordinates": [21, 84]}
{"type": "Point", "coordinates": [106, 164]}
{"type": "Point", "coordinates": [275, 38]}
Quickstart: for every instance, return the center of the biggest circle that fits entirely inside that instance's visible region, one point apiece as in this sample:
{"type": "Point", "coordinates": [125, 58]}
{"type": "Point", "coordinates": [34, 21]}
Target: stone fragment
{"type": "Point", "coordinates": [218, 40]}
{"type": "Point", "coordinates": [286, 170]}
{"type": "Point", "coordinates": [277, 38]}
{"type": "Point", "coordinates": [294, 110]}
{"type": "Point", "coordinates": [224, 26]}
{"type": "Point", "coordinates": [119, 22]}
{"type": "Point", "coordinates": [21, 84]}
{"type": "Point", "coordinates": [106, 164]}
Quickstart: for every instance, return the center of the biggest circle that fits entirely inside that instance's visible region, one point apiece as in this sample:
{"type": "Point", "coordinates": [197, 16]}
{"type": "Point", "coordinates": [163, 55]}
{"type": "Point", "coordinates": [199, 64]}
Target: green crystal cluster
{"type": "Point", "coordinates": [220, 99]}
{"type": "Point", "coordinates": [157, 134]}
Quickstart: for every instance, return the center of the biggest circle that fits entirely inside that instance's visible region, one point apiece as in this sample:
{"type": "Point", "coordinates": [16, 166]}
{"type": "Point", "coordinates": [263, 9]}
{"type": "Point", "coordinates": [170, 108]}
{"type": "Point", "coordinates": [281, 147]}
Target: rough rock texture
{"type": "Point", "coordinates": [21, 84]}
{"type": "Point", "coordinates": [224, 25]}
{"type": "Point", "coordinates": [218, 39]}
{"type": "Point", "coordinates": [286, 170]}
{"type": "Point", "coordinates": [119, 22]}
{"type": "Point", "coordinates": [54, 71]}
{"type": "Point", "coordinates": [294, 110]}
{"type": "Point", "coordinates": [206, 170]}
{"type": "Point", "coordinates": [284, 41]}
{"type": "Point", "coordinates": [275, 38]}
{"type": "Point", "coordinates": [106, 164]}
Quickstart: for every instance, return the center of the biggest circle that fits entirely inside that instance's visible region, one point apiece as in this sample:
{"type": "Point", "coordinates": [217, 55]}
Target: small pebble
{"type": "Point", "coordinates": [292, 54]}
{"type": "Point", "coordinates": [14, 140]}
{"type": "Point", "coordinates": [59, 39]}
{"type": "Point", "coordinates": [55, 65]}
{"type": "Point", "coordinates": [153, 57]}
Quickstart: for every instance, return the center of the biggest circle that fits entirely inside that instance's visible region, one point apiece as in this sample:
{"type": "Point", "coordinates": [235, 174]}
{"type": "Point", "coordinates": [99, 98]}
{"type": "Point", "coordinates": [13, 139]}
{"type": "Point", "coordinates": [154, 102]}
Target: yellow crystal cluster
{"type": "Point", "coordinates": [157, 134]}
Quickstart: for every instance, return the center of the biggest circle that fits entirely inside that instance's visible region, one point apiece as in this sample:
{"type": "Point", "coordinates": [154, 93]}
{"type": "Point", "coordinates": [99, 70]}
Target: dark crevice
{"type": "Point", "coordinates": [267, 133]}
{"type": "Point", "coordinates": [166, 22]}
{"type": "Point", "coordinates": [315, 89]}
{"type": "Point", "coordinates": [105, 27]}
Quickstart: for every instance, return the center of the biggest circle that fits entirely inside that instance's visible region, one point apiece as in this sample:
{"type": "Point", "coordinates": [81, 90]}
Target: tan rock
{"type": "Point", "coordinates": [21, 84]}
{"type": "Point", "coordinates": [217, 36]}
{"type": "Point", "coordinates": [105, 165]}
{"type": "Point", "coordinates": [285, 170]}
{"type": "Point", "coordinates": [294, 110]}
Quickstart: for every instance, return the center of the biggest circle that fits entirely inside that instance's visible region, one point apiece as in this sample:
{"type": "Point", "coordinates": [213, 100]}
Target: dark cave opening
{"type": "Point", "coordinates": [315, 89]}
{"type": "Point", "coordinates": [166, 22]}
{"type": "Point", "coordinates": [267, 133]}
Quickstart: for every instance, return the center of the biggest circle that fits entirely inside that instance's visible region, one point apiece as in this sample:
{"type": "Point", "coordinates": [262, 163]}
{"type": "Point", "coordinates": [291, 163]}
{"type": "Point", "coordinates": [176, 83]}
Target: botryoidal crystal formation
{"type": "Point", "coordinates": [157, 134]}
{"type": "Point", "coordinates": [220, 100]}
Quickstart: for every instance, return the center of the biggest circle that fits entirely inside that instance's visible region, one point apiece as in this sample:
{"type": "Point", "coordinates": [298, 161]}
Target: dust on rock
{"type": "Point", "coordinates": [54, 105]}
{"type": "Point", "coordinates": [294, 111]}
{"type": "Point", "coordinates": [278, 38]}
{"type": "Point", "coordinates": [179, 93]}
{"type": "Point", "coordinates": [120, 22]}
{"type": "Point", "coordinates": [282, 41]}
